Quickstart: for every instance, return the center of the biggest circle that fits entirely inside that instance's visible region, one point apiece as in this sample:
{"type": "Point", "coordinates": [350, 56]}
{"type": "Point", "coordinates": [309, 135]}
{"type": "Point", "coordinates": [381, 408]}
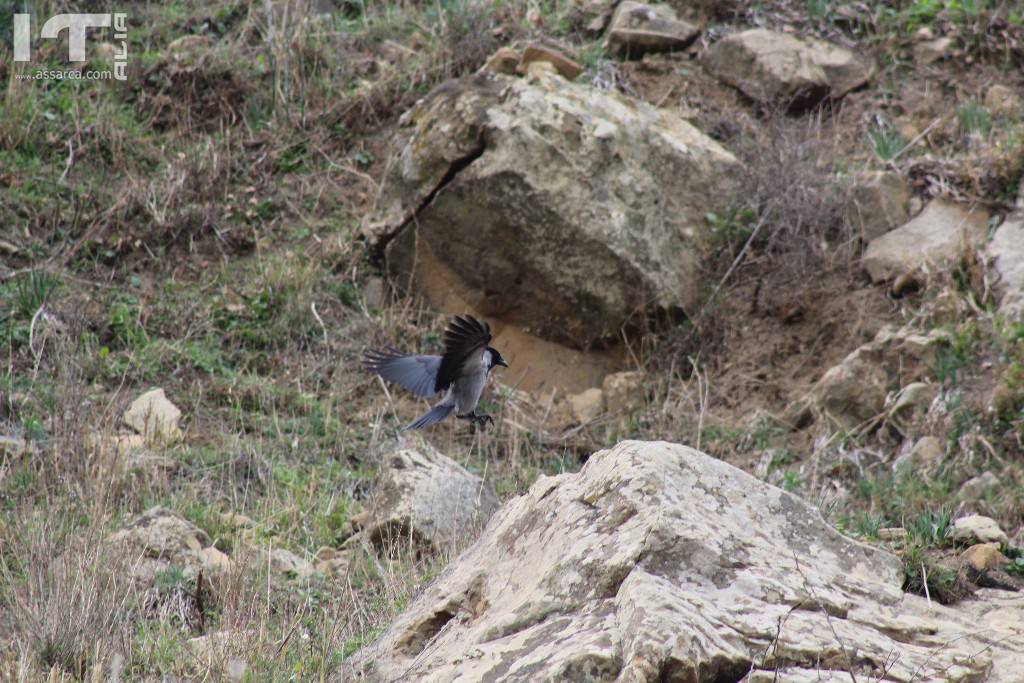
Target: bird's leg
{"type": "Point", "coordinates": [478, 420]}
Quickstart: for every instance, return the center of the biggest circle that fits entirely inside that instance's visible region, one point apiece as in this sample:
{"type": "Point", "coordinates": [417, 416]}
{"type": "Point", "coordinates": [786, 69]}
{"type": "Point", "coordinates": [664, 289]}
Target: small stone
{"type": "Point", "coordinates": [287, 563]}
{"type": "Point", "coordinates": [537, 71]}
{"type": "Point", "coordinates": [566, 67]}
{"type": "Point", "coordinates": [938, 235]}
{"type": "Point", "coordinates": [360, 519]}
{"type": "Point", "coordinates": [424, 496]}
{"type": "Point", "coordinates": [503, 61]}
{"type": "Point", "coordinates": [931, 51]}
{"type": "Point", "coordinates": [914, 398]}
{"type": "Point", "coordinates": [332, 562]}
{"type": "Point", "coordinates": [926, 454]}
{"type": "Point", "coordinates": [623, 391]}
{"type": "Point", "coordinates": [892, 533]}
{"type": "Point", "coordinates": [215, 560]}
{"type": "Point", "coordinates": [238, 521]}
{"type": "Point", "coordinates": [155, 417]}
{"type": "Point", "coordinates": [373, 292]}
{"type": "Point", "coordinates": [977, 528]}
{"type": "Point", "coordinates": [12, 447]}
{"type": "Point", "coordinates": [210, 648]}
{"type": "Point", "coordinates": [878, 203]}
{"type": "Point", "coordinates": [984, 557]}
{"type": "Point", "coordinates": [1003, 101]}
{"type": "Point", "coordinates": [770, 66]}
{"type": "Point", "coordinates": [976, 487]}
{"type": "Point", "coordinates": [189, 43]}
{"type": "Point", "coordinates": [588, 405]}
{"type": "Point", "coordinates": [637, 29]}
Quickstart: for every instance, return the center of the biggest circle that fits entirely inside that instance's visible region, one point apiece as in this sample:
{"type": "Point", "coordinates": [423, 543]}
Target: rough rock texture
{"type": "Point", "coordinates": [153, 416]}
{"type": "Point", "coordinates": [768, 66]}
{"type": "Point", "coordinates": [977, 528]}
{"type": "Point", "coordinates": [855, 390]}
{"type": "Point", "coordinates": [1001, 100]}
{"type": "Point", "coordinates": [923, 456]}
{"type": "Point", "coordinates": [637, 29]}
{"type": "Point", "coordinates": [938, 234]}
{"type": "Point", "coordinates": [623, 391]}
{"type": "Point", "coordinates": [555, 206]}
{"type": "Point", "coordinates": [425, 494]}
{"type": "Point", "coordinates": [159, 539]}
{"type": "Point", "coordinates": [659, 563]}
{"type": "Point", "coordinates": [879, 202]}
{"type": "Point", "coordinates": [566, 67]}
{"type": "Point", "coordinates": [1007, 253]}
{"type": "Point", "coordinates": [587, 405]}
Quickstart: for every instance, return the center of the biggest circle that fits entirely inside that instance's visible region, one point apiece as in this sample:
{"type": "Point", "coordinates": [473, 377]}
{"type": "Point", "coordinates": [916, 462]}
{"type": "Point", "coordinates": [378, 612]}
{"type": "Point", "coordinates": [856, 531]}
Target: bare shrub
{"type": "Point", "coordinates": [792, 196]}
{"type": "Point", "coordinates": [67, 601]}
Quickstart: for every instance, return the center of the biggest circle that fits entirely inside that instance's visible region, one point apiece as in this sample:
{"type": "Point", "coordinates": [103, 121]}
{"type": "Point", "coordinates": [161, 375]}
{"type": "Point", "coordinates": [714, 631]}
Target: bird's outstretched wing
{"type": "Point", "coordinates": [464, 337]}
{"type": "Point", "coordinates": [418, 374]}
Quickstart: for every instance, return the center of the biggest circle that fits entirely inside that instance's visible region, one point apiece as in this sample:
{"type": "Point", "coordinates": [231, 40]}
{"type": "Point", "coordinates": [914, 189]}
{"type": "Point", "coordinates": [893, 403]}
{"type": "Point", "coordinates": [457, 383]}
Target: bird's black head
{"type": "Point", "coordinates": [496, 358]}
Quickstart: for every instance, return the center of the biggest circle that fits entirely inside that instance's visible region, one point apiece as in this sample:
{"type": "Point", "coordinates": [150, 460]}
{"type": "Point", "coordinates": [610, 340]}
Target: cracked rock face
{"type": "Point", "coordinates": [555, 206]}
{"type": "Point", "coordinates": [659, 563]}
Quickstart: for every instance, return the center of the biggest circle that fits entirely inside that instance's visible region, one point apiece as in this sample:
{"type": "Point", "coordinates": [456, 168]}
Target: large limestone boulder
{"type": "Point", "coordinates": [559, 207]}
{"type": "Point", "coordinates": [937, 235]}
{"type": "Point", "coordinates": [1007, 254]}
{"type": "Point", "coordinates": [657, 562]}
{"type": "Point", "coordinates": [424, 496]}
{"type": "Point", "coordinates": [772, 67]}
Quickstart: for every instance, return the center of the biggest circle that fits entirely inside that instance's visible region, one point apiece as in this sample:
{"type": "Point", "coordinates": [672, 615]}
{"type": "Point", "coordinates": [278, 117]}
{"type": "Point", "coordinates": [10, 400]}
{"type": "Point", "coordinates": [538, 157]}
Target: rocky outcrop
{"type": "Point", "coordinates": [1006, 251]}
{"type": "Point", "coordinates": [555, 206]}
{"type": "Point", "coordinates": [639, 28]}
{"type": "Point", "coordinates": [771, 67]}
{"type": "Point", "coordinates": [937, 235]}
{"type": "Point", "coordinates": [659, 563]}
{"type": "Point", "coordinates": [424, 496]}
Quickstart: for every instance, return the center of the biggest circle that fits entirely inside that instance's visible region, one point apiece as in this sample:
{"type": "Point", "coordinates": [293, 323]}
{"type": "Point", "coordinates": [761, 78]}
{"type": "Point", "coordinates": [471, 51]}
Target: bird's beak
{"type": "Point", "coordinates": [502, 363]}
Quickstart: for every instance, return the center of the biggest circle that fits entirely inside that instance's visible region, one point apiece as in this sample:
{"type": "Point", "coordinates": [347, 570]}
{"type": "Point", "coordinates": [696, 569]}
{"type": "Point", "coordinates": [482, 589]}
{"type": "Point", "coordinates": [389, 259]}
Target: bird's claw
{"type": "Point", "coordinates": [482, 420]}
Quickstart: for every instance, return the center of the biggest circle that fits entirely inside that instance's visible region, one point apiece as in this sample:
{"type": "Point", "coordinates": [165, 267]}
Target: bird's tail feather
{"type": "Point", "coordinates": [436, 414]}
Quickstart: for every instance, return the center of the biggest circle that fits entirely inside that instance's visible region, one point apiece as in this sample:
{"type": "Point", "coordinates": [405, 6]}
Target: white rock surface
{"type": "Point", "coordinates": [659, 563]}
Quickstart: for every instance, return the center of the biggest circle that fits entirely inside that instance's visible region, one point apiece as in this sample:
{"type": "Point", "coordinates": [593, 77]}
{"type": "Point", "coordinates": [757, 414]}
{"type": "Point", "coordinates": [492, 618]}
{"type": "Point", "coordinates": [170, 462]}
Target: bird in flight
{"type": "Point", "coordinates": [460, 371]}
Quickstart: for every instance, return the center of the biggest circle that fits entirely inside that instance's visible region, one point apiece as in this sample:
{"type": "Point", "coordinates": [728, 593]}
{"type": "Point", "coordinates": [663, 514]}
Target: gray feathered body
{"type": "Point", "coordinates": [460, 373]}
{"type": "Point", "coordinates": [465, 391]}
